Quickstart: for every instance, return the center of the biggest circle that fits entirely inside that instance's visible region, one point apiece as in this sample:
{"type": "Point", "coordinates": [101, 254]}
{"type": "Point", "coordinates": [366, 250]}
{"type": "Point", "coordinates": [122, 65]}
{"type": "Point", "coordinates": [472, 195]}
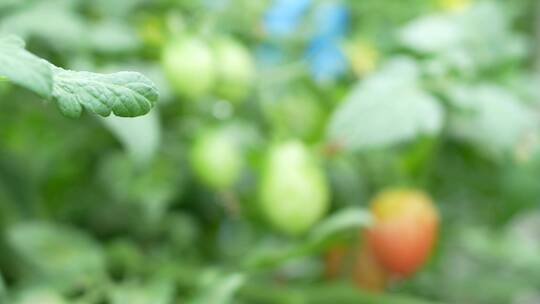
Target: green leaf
{"type": "Point", "coordinates": [40, 295]}
{"type": "Point", "coordinates": [431, 34]}
{"type": "Point", "coordinates": [219, 289]}
{"type": "Point", "coordinates": [387, 108]}
{"type": "Point", "coordinates": [24, 68]}
{"type": "Point", "coordinates": [142, 147]}
{"type": "Point", "coordinates": [57, 253]}
{"type": "Point", "coordinates": [116, 9]}
{"type": "Point", "coordinates": [157, 291]}
{"type": "Point", "coordinates": [152, 189]}
{"type": "Point", "coordinates": [67, 33]}
{"type": "Point", "coordinates": [6, 5]}
{"type": "Point", "coordinates": [126, 94]}
{"type": "Point", "coordinates": [495, 120]}
{"type": "Point", "coordinates": [462, 40]}
{"type": "Point", "coordinates": [112, 37]}
{"type": "Point", "coordinates": [346, 219]}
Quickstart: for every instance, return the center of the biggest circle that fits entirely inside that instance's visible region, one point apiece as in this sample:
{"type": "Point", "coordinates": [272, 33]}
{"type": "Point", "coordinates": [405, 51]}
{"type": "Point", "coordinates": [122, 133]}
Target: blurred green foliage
{"type": "Point", "coordinates": [251, 166]}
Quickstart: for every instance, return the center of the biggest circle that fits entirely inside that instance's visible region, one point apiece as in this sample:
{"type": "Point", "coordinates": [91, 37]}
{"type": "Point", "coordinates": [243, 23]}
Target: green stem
{"type": "Point", "coordinates": [268, 292]}
{"type": "Point", "coordinates": [319, 294]}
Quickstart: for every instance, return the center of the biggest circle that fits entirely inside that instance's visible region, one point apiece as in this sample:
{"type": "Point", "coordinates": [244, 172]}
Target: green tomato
{"type": "Point", "coordinates": [216, 158]}
{"type": "Point", "coordinates": [235, 69]}
{"type": "Point", "coordinates": [293, 191]}
{"type": "Point", "coordinates": [189, 66]}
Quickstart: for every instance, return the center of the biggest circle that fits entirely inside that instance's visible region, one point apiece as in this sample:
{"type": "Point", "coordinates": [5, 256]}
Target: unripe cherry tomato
{"type": "Point", "coordinates": [189, 66]}
{"type": "Point", "coordinates": [293, 189]}
{"type": "Point", "coordinates": [405, 229]}
{"type": "Point", "coordinates": [216, 158]}
{"type": "Point", "coordinates": [235, 69]}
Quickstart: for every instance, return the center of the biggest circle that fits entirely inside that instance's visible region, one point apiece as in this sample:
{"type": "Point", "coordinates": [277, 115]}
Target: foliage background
{"type": "Point", "coordinates": [440, 95]}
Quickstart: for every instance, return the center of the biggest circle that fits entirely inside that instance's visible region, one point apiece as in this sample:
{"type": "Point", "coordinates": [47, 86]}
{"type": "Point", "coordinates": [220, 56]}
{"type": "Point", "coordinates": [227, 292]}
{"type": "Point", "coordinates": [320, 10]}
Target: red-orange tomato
{"type": "Point", "coordinates": [405, 230]}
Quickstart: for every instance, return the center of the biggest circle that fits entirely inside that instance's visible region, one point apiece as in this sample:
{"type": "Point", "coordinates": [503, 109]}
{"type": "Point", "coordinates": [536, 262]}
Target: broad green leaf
{"type": "Point", "coordinates": [387, 108]}
{"type": "Point", "coordinates": [24, 68]}
{"type": "Point", "coordinates": [56, 252]}
{"type": "Point", "coordinates": [463, 40]}
{"type": "Point", "coordinates": [126, 94]}
{"type": "Point", "coordinates": [152, 188]}
{"type": "Point", "coordinates": [153, 71]}
{"type": "Point", "coordinates": [522, 234]}
{"type": "Point", "coordinates": [9, 4]}
{"type": "Point", "coordinates": [113, 37]}
{"type": "Point", "coordinates": [157, 291]}
{"type": "Point", "coordinates": [526, 86]}
{"type": "Point", "coordinates": [219, 289]}
{"type": "Point", "coordinates": [66, 32]}
{"type": "Point", "coordinates": [343, 220]}
{"type": "Point", "coordinates": [117, 8]}
{"type": "Point", "coordinates": [495, 120]}
{"type": "Point", "coordinates": [39, 295]}
{"type": "Point", "coordinates": [433, 33]}
{"type": "Point", "coordinates": [142, 147]}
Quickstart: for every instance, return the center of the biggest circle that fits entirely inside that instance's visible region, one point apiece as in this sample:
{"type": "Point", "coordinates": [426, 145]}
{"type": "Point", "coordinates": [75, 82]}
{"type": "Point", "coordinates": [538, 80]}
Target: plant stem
{"type": "Point", "coordinates": [258, 292]}
{"type": "Point", "coordinates": [320, 294]}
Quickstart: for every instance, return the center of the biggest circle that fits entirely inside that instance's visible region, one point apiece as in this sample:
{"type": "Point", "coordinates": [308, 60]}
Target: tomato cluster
{"type": "Point", "coordinates": [196, 67]}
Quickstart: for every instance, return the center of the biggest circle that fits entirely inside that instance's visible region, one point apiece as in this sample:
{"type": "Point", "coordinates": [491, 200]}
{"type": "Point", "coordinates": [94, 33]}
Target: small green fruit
{"type": "Point", "coordinates": [189, 66]}
{"type": "Point", "coordinates": [216, 158]}
{"type": "Point", "coordinates": [293, 190]}
{"type": "Point", "coordinates": [235, 69]}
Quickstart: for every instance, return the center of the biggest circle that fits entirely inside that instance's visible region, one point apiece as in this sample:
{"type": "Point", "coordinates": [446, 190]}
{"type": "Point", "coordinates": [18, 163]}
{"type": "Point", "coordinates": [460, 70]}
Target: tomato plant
{"type": "Point", "coordinates": [273, 152]}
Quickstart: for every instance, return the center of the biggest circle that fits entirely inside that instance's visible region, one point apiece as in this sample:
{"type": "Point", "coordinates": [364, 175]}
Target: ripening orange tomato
{"type": "Point", "coordinates": [405, 230]}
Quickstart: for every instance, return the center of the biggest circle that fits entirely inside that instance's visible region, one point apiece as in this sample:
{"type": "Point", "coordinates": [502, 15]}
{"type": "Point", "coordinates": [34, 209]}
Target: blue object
{"type": "Point", "coordinates": [284, 16]}
{"type": "Point", "coordinates": [326, 60]}
{"type": "Point", "coordinates": [331, 20]}
{"type": "Point", "coordinates": [324, 55]}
